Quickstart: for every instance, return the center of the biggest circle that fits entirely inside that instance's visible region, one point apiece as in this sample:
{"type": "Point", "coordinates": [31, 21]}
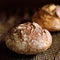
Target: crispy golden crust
{"type": "Point", "coordinates": [48, 17]}
{"type": "Point", "coordinates": [28, 38]}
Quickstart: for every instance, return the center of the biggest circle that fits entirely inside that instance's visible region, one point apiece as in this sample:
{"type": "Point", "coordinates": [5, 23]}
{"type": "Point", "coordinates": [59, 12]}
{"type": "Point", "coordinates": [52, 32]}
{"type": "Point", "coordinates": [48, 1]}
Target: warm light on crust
{"type": "Point", "coordinates": [48, 17]}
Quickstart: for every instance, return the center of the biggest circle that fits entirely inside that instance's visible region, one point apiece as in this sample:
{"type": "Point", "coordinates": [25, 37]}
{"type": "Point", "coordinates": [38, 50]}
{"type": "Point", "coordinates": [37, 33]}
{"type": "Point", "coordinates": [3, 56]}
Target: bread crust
{"type": "Point", "coordinates": [28, 38]}
{"type": "Point", "coordinates": [48, 17]}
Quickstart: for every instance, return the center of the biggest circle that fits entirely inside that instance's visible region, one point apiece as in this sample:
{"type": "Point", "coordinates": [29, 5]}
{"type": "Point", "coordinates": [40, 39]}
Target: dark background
{"type": "Point", "coordinates": [25, 3]}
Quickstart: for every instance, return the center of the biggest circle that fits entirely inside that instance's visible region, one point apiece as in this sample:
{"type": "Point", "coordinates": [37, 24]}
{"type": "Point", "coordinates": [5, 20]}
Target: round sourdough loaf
{"type": "Point", "coordinates": [28, 38]}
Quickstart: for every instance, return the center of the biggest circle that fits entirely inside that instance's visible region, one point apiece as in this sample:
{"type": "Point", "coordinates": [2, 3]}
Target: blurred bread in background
{"type": "Point", "coordinates": [48, 17]}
